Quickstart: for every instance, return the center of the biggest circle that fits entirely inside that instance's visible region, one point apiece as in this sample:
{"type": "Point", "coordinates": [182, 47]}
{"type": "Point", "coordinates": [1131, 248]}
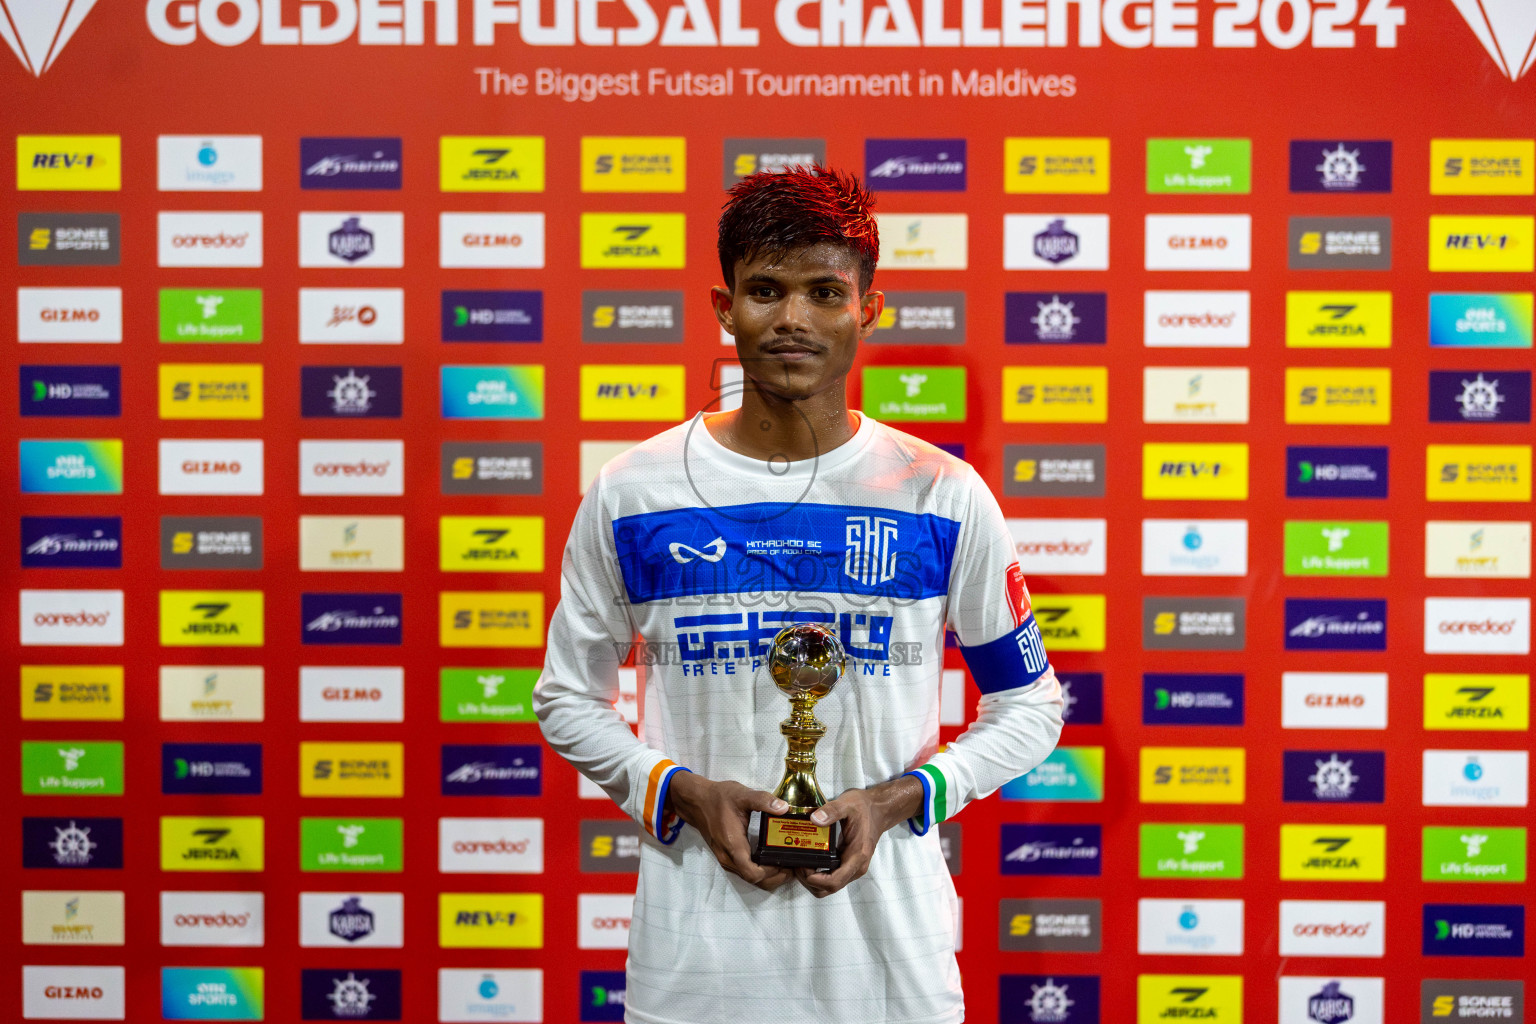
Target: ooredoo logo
{"type": "Point", "coordinates": [352, 467]}
{"type": "Point", "coordinates": [491, 845]}
{"type": "Point", "coordinates": [603, 920]}
{"type": "Point", "coordinates": [72, 618]}
{"type": "Point", "coordinates": [1196, 319]}
{"type": "Point", "coordinates": [1332, 927]}
{"type": "Point", "coordinates": [212, 918]}
{"type": "Point", "coordinates": [1477, 625]}
{"type": "Point", "coordinates": [210, 239]}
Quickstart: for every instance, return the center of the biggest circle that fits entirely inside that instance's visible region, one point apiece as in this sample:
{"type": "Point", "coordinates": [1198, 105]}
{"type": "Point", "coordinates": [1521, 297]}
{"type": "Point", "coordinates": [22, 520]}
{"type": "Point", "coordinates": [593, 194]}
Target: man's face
{"type": "Point", "coordinates": [798, 318]}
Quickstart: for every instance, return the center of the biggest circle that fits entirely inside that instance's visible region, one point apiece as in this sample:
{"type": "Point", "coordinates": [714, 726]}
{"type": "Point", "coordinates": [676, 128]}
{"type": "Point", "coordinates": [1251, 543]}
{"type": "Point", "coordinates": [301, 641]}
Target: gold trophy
{"type": "Point", "coordinates": [805, 661]}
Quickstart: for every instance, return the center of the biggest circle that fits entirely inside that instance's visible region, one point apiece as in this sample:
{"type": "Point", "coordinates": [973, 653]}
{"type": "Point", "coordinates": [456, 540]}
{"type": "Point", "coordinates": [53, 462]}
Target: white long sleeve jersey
{"type": "Point", "coordinates": [704, 554]}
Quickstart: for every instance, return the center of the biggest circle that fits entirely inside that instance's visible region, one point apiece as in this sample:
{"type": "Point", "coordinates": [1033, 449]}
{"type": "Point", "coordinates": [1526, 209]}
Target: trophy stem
{"type": "Point", "coordinates": [802, 729]}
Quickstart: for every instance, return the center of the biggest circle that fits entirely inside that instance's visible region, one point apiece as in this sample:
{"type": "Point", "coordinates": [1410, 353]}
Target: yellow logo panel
{"type": "Point", "coordinates": [212, 618]}
{"type": "Point", "coordinates": [631, 392]}
{"type": "Point", "coordinates": [1193, 775]}
{"type": "Point", "coordinates": [490, 618]}
{"type": "Point", "coordinates": [210, 391]}
{"type": "Point", "coordinates": [351, 769]}
{"type": "Point", "coordinates": [212, 844]}
{"type": "Point", "coordinates": [1337, 853]}
{"type": "Point", "coordinates": [69, 163]}
{"type": "Point", "coordinates": [634, 163]}
{"type": "Point", "coordinates": [1341, 394]}
{"type": "Point", "coordinates": [633, 241]}
{"type": "Point", "coordinates": [1482, 244]}
{"type": "Point", "coordinates": [1478, 472]}
{"type": "Point", "coordinates": [1056, 165]}
{"type": "Point", "coordinates": [1482, 167]}
{"type": "Point", "coordinates": [490, 920]}
{"type": "Point", "coordinates": [1195, 472]}
{"type": "Point", "coordinates": [491, 543]}
{"type": "Point", "coordinates": [491, 163]}
{"type": "Point", "coordinates": [1338, 319]}
{"type": "Point", "coordinates": [1055, 394]}
{"type": "Point", "coordinates": [72, 693]}
{"type": "Point", "coordinates": [1070, 622]}
{"type": "Point", "coordinates": [1490, 703]}
{"type": "Point", "coordinates": [1212, 998]}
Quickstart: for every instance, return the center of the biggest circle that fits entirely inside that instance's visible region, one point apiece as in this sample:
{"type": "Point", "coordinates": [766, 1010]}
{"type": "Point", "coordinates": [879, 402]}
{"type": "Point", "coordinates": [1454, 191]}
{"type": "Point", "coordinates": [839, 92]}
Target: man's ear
{"type": "Point", "coordinates": [721, 298]}
{"type": "Point", "coordinates": [870, 308]}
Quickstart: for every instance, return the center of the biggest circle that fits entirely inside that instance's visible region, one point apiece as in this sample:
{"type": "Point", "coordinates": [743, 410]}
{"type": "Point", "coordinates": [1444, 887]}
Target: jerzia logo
{"type": "Point", "coordinates": [38, 32]}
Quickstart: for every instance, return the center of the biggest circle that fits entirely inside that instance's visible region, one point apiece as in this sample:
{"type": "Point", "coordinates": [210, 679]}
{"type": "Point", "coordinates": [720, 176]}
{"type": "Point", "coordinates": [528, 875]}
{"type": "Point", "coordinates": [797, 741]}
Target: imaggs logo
{"type": "Point", "coordinates": [37, 32]}
{"type": "Point", "coordinates": [1506, 30]}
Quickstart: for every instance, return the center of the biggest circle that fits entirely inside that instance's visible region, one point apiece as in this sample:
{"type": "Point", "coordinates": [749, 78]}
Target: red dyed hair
{"type": "Point", "coordinates": [771, 214]}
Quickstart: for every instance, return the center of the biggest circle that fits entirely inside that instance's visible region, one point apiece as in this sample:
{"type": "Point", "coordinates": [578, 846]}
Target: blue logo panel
{"type": "Point", "coordinates": [915, 165]}
{"type": "Point", "coordinates": [349, 994]}
{"type": "Point", "coordinates": [777, 546]}
{"type": "Point", "coordinates": [474, 769]}
{"type": "Point", "coordinates": [1191, 699]}
{"type": "Point", "coordinates": [72, 843]}
{"type": "Point", "coordinates": [602, 997]}
{"type": "Point", "coordinates": [1479, 396]}
{"type": "Point", "coordinates": [227, 768]}
{"type": "Point", "coordinates": [350, 392]}
{"type": "Point", "coordinates": [1334, 777]}
{"type": "Point", "coordinates": [1082, 695]}
{"type": "Point", "coordinates": [493, 316]}
{"type": "Point", "coordinates": [1053, 998]}
{"type": "Point", "coordinates": [1474, 929]}
{"type": "Point", "coordinates": [351, 618]}
{"type": "Point", "coordinates": [349, 163]}
{"type": "Point", "coordinates": [71, 391]}
{"type": "Point", "coordinates": [1056, 318]}
{"type": "Point", "coordinates": [1341, 165]}
{"type": "Point", "coordinates": [1326, 472]}
{"type": "Point", "coordinates": [1335, 625]}
{"type": "Point", "coordinates": [1052, 850]}
{"type": "Point", "coordinates": [71, 542]}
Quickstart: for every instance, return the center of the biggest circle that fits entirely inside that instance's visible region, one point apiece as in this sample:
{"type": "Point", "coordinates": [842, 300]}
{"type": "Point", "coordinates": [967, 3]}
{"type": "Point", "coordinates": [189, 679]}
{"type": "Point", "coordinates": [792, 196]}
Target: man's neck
{"type": "Point", "coordinates": [777, 430]}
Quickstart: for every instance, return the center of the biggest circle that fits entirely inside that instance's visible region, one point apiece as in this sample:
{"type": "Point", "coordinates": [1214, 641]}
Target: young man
{"type": "Point", "coordinates": [708, 539]}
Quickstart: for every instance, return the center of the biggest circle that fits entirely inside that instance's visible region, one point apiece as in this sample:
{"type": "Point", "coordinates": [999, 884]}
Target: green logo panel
{"type": "Point", "coordinates": [1474, 854]}
{"type": "Point", "coordinates": [487, 694]}
{"type": "Point", "coordinates": [351, 844]}
{"type": "Point", "coordinates": [71, 768]}
{"type": "Point", "coordinates": [203, 315]}
{"type": "Point", "coordinates": [1191, 851]}
{"type": "Point", "coordinates": [930, 394]}
{"type": "Point", "coordinates": [1321, 548]}
{"type": "Point", "coordinates": [1200, 166]}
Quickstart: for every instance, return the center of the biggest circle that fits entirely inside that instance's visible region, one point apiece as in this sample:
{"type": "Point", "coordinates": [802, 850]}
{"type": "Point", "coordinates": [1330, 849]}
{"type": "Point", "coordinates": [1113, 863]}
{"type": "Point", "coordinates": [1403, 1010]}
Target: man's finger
{"type": "Point", "coordinates": [757, 800]}
{"type": "Point", "coordinates": [834, 810]}
{"type": "Point", "coordinates": [821, 884]}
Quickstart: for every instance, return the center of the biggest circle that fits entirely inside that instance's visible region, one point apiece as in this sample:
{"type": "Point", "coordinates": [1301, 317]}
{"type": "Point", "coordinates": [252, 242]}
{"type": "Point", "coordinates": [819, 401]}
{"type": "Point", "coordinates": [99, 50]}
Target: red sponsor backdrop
{"type": "Point", "coordinates": [115, 77]}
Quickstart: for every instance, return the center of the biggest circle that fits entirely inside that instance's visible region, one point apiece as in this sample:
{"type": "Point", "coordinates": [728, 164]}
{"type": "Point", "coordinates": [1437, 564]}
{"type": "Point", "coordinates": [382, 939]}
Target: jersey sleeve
{"type": "Point", "coordinates": [1018, 717]}
{"type": "Point", "coordinates": [590, 636]}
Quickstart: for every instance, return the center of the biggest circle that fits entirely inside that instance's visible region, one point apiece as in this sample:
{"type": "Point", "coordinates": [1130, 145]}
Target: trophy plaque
{"type": "Point", "coordinates": [805, 661]}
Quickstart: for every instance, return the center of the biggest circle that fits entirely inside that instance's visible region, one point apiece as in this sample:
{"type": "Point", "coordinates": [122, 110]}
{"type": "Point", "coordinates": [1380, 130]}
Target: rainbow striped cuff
{"type": "Point", "coordinates": [658, 822]}
{"type": "Point", "coordinates": [935, 806]}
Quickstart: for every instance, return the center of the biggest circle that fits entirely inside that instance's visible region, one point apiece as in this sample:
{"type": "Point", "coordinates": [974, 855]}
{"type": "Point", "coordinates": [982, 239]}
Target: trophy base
{"type": "Point", "coordinates": [792, 841]}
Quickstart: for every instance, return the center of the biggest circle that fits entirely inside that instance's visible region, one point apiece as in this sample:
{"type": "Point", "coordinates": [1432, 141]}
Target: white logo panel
{"type": "Point", "coordinates": [1332, 927]}
{"type": "Point", "coordinates": [1056, 241]}
{"type": "Point", "coordinates": [507, 240]}
{"type": "Point", "coordinates": [213, 239]}
{"type": "Point", "coordinates": [1196, 319]}
{"type": "Point", "coordinates": [212, 919]}
{"type": "Point", "coordinates": [1477, 625]}
{"type": "Point", "coordinates": [1333, 700]}
{"type": "Point", "coordinates": [1194, 547]}
{"type": "Point", "coordinates": [1059, 547]}
{"type": "Point", "coordinates": [352, 920]}
{"type": "Point", "coordinates": [211, 467]}
{"type": "Point", "coordinates": [210, 163]}
{"type": "Point", "coordinates": [1190, 927]}
{"type": "Point", "coordinates": [1331, 998]}
{"type": "Point", "coordinates": [372, 694]}
{"type": "Point", "coordinates": [1207, 242]}
{"type": "Point", "coordinates": [1482, 550]}
{"type": "Point", "coordinates": [924, 241]}
{"type": "Point", "coordinates": [72, 618]}
{"type": "Point", "coordinates": [351, 239]}
{"type": "Point", "coordinates": [352, 467]}
{"type": "Point", "coordinates": [495, 996]}
{"type": "Point", "coordinates": [351, 316]}
{"type": "Point", "coordinates": [82, 315]}
{"type": "Point", "coordinates": [490, 846]}
{"type": "Point", "coordinates": [73, 993]}
{"type": "Point", "coordinates": [603, 920]}
{"type": "Point", "coordinates": [1194, 394]}
{"type": "Point", "coordinates": [1476, 778]}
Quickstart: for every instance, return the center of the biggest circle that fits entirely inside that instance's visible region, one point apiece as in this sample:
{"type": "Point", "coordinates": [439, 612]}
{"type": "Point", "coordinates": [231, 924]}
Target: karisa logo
{"type": "Point", "coordinates": [37, 32]}
{"type": "Point", "coordinates": [1506, 30]}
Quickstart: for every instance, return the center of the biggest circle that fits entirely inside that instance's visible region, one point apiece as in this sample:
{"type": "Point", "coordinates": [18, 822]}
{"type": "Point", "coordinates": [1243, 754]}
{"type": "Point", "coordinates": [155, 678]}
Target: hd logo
{"type": "Point", "coordinates": [491, 543]}
{"type": "Point", "coordinates": [212, 844]}
{"type": "Point", "coordinates": [1338, 319]}
{"type": "Point", "coordinates": [491, 163]}
{"type": "Point", "coordinates": [212, 618]}
{"type": "Point", "coordinates": [633, 241]}
{"type": "Point", "coordinates": [1213, 998]}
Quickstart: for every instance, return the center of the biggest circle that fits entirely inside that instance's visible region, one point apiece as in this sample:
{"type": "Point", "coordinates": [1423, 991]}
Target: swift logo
{"type": "Point", "coordinates": [1506, 32]}
{"type": "Point", "coordinates": [37, 32]}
